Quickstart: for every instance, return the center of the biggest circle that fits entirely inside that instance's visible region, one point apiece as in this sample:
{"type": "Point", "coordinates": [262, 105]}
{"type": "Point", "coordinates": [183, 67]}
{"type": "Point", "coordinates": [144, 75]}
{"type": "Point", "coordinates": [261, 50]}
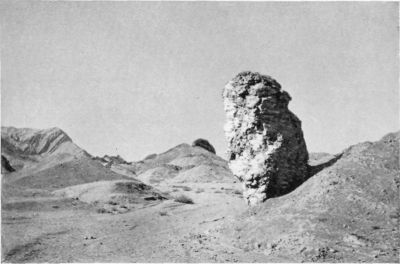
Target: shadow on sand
{"type": "Point", "coordinates": [312, 170]}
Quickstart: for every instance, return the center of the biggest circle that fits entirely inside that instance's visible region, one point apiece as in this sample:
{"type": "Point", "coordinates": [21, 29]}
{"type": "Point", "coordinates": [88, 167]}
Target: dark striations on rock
{"type": "Point", "coordinates": [267, 151]}
{"type": "Point", "coordinates": [24, 147]}
{"type": "Point", "coordinates": [33, 141]}
{"type": "Point", "coordinates": [203, 144]}
{"type": "Point", "coordinates": [5, 165]}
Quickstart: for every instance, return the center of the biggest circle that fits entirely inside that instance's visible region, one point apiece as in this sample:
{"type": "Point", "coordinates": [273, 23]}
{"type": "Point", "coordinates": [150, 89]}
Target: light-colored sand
{"type": "Point", "coordinates": [161, 232]}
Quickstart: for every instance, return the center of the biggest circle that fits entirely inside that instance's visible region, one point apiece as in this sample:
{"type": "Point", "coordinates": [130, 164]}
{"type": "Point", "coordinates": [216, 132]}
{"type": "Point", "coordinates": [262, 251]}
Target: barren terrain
{"type": "Point", "coordinates": [83, 211]}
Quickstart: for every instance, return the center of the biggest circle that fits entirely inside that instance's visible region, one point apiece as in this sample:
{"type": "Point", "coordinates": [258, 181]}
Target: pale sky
{"type": "Point", "coordinates": [135, 78]}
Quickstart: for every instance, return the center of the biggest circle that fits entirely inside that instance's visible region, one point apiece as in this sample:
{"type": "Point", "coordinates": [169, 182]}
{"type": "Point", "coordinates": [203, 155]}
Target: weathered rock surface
{"type": "Point", "coordinates": [266, 149]}
{"type": "Point", "coordinates": [24, 148]}
{"type": "Point", "coordinates": [30, 141]}
{"type": "Point", "coordinates": [203, 144]}
{"type": "Point", "coordinates": [5, 165]}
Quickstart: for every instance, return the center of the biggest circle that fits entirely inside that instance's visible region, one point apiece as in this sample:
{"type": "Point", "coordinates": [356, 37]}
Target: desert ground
{"type": "Point", "coordinates": [60, 204]}
{"type": "Point", "coordinates": [200, 131]}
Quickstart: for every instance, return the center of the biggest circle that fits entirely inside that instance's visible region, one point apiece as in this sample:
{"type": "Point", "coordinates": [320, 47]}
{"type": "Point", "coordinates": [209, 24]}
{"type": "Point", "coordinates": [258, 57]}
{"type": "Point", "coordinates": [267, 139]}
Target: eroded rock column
{"type": "Point", "coordinates": [267, 151]}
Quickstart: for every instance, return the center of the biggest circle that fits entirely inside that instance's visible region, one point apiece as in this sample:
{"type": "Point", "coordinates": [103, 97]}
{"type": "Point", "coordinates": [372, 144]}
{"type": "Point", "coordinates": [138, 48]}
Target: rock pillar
{"type": "Point", "coordinates": [267, 151]}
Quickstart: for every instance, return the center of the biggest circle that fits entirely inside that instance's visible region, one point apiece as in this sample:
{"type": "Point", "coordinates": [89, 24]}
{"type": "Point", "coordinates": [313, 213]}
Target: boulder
{"type": "Point", "coordinates": [203, 144]}
{"type": "Point", "coordinates": [266, 151]}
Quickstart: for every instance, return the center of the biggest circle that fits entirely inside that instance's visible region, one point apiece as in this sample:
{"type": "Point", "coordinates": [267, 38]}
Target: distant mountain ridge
{"type": "Point", "coordinates": [43, 151]}
{"type": "Point", "coordinates": [47, 163]}
{"type": "Point", "coordinates": [48, 159]}
{"type": "Point", "coordinates": [30, 141]}
{"type": "Point", "coordinates": [24, 147]}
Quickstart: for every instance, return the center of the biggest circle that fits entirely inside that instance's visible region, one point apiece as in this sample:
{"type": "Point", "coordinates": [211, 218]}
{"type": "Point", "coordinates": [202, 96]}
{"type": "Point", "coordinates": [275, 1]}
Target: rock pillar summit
{"type": "Point", "coordinates": [267, 151]}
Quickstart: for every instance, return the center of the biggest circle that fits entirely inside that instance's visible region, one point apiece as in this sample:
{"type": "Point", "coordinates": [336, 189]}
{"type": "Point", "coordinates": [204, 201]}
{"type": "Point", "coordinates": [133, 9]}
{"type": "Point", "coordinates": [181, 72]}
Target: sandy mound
{"type": "Point", "coordinates": [183, 163]}
{"type": "Point", "coordinates": [204, 173]}
{"type": "Point", "coordinates": [181, 151]}
{"type": "Point", "coordinates": [104, 191]}
{"type": "Point", "coordinates": [351, 204]}
{"type": "Point", "coordinates": [195, 160]}
{"type": "Point", "coordinates": [156, 175]}
{"type": "Point", "coordinates": [61, 175]}
{"type": "Point", "coordinates": [113, 196]}
{"type": "Point", "coordinates": [123, 169]}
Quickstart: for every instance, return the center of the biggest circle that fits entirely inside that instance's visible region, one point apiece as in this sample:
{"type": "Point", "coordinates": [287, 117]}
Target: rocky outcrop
{"type": "Point", "coordinates": [108, 161]}
{"type": "Point", "coordinates": [34, 141]}
{"type": "Point", "coordinates": [26, 147]}
{"type": "Point", "coordinates": [202, 143]}
{"type": "Point", "coordinates": [5, 165]}
{"type": "Point", "coordinates": [266, 149]}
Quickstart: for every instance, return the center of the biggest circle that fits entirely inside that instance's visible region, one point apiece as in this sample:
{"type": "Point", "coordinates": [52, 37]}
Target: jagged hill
{"type": "Point", "coordinates": [34, 141]}
{"type": "Point", "coordinates": [347, 212]}
{"type": "Point", "coordinates": [52, 170]}
{"type": "Point", "coordinates": [46, 160]}
{"type": "Point", "coordinates": [24, 147]}
{"type": "Point", "coordinates": [183, 163]}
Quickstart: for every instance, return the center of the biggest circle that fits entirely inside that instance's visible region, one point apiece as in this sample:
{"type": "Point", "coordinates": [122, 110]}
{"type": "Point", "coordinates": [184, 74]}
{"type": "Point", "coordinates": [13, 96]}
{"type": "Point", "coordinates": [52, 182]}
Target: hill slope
{"type": "Point", "coordinates": [24, 148]}
{"type": "Point", "coordinates": [47, 160]}
{"type": "Point", "coordinates": [183, 163]}
{"type": "Point", "coordinates": [347, 212]}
